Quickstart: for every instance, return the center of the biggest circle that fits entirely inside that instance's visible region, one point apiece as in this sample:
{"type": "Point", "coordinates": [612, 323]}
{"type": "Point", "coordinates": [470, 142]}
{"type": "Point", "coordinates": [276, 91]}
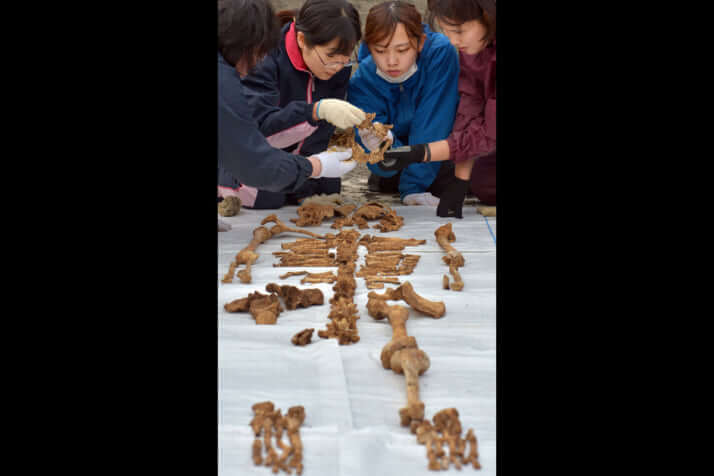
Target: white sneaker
{"type": "Point", "coordinates": [425, 198]}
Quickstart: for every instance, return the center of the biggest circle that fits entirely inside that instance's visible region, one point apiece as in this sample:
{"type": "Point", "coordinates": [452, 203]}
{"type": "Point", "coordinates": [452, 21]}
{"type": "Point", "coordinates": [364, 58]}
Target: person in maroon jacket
{"type": "Point", "coordinates": [471, 28]}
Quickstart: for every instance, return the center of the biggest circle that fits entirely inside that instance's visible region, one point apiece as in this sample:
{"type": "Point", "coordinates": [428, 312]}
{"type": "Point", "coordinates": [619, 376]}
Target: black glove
{"type": "Point", "coordinates": [452, 199]}
{"type": "Point", "coordinates": [401, 157]}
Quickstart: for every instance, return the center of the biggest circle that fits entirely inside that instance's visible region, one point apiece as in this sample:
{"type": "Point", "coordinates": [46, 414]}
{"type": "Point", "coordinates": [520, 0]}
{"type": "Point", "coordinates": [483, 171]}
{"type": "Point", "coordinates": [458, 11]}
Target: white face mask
{"type": "Point", "coordinates": [399, 79]}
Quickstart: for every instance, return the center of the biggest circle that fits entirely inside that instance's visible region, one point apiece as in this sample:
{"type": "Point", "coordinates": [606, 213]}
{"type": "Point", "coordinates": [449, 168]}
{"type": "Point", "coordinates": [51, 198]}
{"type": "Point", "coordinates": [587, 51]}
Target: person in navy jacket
{"type": "Point", "coordinates": [247, 29]}
{"type": "Point", "coordinates": [408, 76]}
{"type": "Point", "coordinates": [297, 92]}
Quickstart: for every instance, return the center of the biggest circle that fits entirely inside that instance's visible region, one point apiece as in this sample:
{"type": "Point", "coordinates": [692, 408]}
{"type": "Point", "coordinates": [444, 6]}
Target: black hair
{"type": "Point", "coordinates": [247, 30]}
{"type": "Point", "coordinates": [321, 21]}
{"type": "Point", "coordinates": [461, 11]}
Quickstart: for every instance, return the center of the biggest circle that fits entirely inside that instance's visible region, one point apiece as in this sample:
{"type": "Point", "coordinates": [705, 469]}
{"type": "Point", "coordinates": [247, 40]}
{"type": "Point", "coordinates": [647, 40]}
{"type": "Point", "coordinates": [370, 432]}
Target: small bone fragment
{"type": "Point", "coordinates": [260, 409]}
{"type": "Point", "coordinates": [473, 454]}
{"type": "Point", "coordinates": [313, 214]}
{"type": "Point", "coordinates": [458, 284]}
{"type": "Point", "coordinates": [345, 210]}
{"type": "Point", "coordinates": [371, 211]}
{"type": "Point", "coordinates": [257, 452]}
{"type": "Point", "coordinates": [303, 337]}
{"type": "Point", "coordinates": [390, 222]}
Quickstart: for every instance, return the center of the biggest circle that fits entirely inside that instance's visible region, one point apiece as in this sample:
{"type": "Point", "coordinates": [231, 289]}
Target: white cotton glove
{"type": "Point", "coordinates": [370, 139]}
{"type": "Point", "coordinates": [335, 164]}
{"type": "Point", "coordinates": [223, 226]}
{"type": "Point", "coordinates": [339, 113]}
{"type": "Point", "coordinates": [421, 199]}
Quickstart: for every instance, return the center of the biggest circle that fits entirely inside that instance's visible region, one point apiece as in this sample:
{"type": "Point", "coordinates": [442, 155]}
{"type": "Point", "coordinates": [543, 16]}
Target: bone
{"type": "Point", "coordinates": [346, 140]}
{"type": "Point", "coordinates": [312, 214]}
{"type": "Point", "coordinates": [247, 256]}
{"type": "Point", "coordinates": [375, 243]}
{"type": "Point", "coordinates": [312, 278]}
{"type": "Point", "coordinates": [295, 297]}
{"type": "Point", "coordinates": [343, 314]}
{"type": "Point", "coordinates": [405, 291]}
{"type": "Point", "coordinates": [257, 452]}
{"type": "Point", "coordinates": [281, 227]}
{"type": "Point", "coordinates": [473, 454]}
{"type": "Point", "coordinates": [303, 337]}
{"type": "Point", "coordinates": [446, 430]}
{"type": "Point", "coordinates": [264, 308]}
{"type": "Point", "coordinates": [292, 273]}
{"type": "Point", "coordinates": [265, 421]}
{"type": "Point", "coordinates": [390, 222]}
{"type": "Point", "coordinates": [453, 259]}
{"type": "Point", "coordinates": [402, 355]}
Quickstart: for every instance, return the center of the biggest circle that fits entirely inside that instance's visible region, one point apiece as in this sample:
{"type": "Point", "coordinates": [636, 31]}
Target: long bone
{"type": "Point", "coordinates": [402, 355]}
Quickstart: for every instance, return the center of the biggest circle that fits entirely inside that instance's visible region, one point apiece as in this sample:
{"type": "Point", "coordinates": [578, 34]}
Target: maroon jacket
{"type": "Point", "coordinates": [474, 132]}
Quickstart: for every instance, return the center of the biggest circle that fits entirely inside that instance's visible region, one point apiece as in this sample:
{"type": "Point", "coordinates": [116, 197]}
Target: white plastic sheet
{"type": "Point", "coordinates": [351, 402]}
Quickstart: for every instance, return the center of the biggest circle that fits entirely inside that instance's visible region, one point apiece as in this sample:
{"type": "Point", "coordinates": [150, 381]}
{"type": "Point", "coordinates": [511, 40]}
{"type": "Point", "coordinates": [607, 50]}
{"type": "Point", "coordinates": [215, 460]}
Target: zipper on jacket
{"type": "Point", "coordinates": [310, 90]}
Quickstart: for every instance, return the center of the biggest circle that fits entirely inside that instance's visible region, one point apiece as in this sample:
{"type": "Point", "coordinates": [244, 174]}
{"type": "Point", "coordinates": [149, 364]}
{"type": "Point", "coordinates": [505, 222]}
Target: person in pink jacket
{"type": "Point", "coordinates": [471, 28]}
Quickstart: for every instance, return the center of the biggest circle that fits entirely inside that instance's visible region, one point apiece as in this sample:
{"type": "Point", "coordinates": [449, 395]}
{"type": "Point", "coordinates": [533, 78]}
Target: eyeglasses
{"type": "Point", "coordinates": [336, 64]}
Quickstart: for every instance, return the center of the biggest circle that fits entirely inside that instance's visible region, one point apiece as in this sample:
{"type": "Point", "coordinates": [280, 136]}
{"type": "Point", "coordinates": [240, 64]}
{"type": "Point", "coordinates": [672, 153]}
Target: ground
{"type": "Point", "coordinates": [354, 190]}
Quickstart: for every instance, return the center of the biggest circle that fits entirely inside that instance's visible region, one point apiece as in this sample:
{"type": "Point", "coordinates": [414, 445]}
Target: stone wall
{"type": "Point", "coordinates": [362, 6]}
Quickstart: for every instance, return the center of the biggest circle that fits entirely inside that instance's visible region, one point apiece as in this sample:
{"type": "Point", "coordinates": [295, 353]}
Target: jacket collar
{"type": "Point", "coordinates": [293, 50]}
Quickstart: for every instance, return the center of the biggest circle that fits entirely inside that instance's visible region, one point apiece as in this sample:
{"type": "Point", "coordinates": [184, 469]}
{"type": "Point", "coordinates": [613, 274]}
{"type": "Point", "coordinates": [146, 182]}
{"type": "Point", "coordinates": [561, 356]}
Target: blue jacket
{"type": "Point", "coordinates": [243, 152]}
{"type": "Point", "coordinates": [422, 108]}
{"type": "Point", "coordinates": [282, 92]}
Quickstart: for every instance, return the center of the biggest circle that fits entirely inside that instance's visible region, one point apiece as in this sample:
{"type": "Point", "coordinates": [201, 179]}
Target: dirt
{"type": "Point", "coordinates": [354, 190]}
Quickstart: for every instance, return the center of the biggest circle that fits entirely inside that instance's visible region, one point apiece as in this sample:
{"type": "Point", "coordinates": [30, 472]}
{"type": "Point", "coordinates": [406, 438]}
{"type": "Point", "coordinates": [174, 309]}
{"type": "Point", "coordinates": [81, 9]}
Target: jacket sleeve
{"type": "Point", "coordinates": [435, 112]}
{"type": "Point", "coordinates": [262, 90]}
{"type": "Point", "coordinates": [361, 94]}
{"type": "Point", "coordinates": [474, 132]}
{"type": "Point", "coordinates": [244, 152]}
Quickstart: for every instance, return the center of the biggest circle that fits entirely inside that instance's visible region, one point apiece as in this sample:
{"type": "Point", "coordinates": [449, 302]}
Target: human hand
{"type": "Point", "coordinates": [452, 200]}
{"type": "Point", "coordinates": [335, 164]}
{"type": "Point", "coordinates": [399, 158]}
{"type": "Point", "coordinates": [370, 139]}
{"type": "Point", "coordinates": [339, 113]}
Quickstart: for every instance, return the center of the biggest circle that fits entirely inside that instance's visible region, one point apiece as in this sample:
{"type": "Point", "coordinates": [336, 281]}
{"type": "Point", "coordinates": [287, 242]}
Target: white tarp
{"type": "Point", "coordinates": [351, 402]}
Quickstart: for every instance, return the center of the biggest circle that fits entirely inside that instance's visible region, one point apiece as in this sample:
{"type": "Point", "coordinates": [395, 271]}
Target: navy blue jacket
{"type": "Point", "coordinates": [422, 108]}
{"type": "Point", "coordinates": [282, 92]}
{"type": "Point", "coordinates": [243, 151]}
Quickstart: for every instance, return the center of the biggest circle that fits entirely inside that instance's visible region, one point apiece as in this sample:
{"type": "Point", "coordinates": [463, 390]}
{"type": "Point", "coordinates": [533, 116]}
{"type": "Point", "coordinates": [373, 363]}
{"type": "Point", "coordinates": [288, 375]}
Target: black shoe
{"type": "Point", "coordinates": [373, 183]}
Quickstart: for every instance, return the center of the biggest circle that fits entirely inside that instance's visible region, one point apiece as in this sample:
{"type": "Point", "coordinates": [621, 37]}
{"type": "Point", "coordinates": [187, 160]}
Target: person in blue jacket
{"type": "Point", "coordinates": [247, 29]}
{"type": "Point", "coordinates": [297, 92]}
{"type": "Point", "coordinates": [407, 75]}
